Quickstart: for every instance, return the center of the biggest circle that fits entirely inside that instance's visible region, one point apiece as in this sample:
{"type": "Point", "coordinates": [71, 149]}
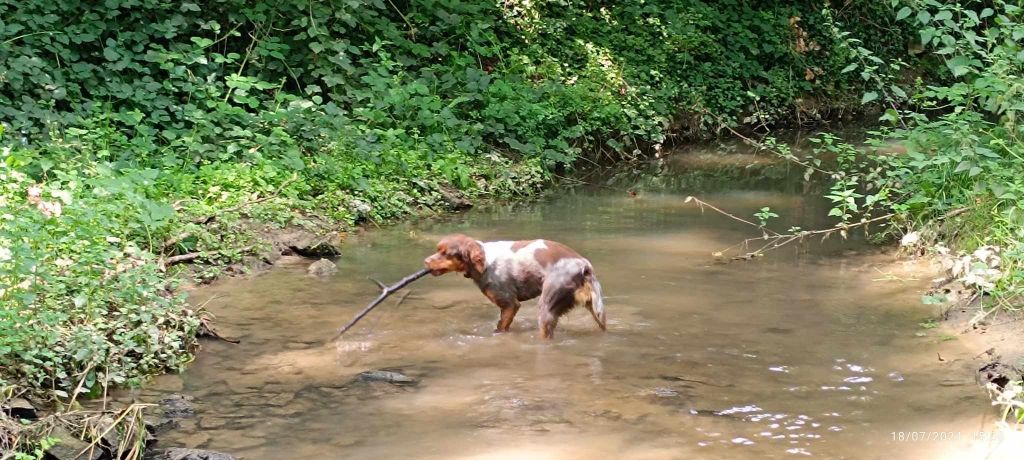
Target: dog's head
{"type": "Point", "coordinates": [456, 253]}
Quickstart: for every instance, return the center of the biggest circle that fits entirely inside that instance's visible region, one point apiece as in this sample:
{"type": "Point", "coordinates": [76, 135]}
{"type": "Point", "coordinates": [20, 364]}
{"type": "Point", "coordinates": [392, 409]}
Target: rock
{"type": "Point", "coordinates": [998, 373]}
{"type": "Point", "coordinates": [252, 264]}
{"type": "Point", "coordinates": [108, 426]}
{"type": "Point", "coordinates": [322, 267]}
{"type": "Point", "coordinates": [157, 425]}
{"type": "Point", "coordinates": [176, 453]}
{"type": "Point", "coordinates": [271, 257]}
{"type": "Point", "coordinates": [393, 378]}
{"type": "Point", "coordinates": [307, 244]}
{"type": "Point", "coordinates": [19, 408]}
{"type": "Point", "coordinates": [69, 447]}
{"type": "Point", "coordinates": [456, 200]}
{"type": "Point", "coordinates": [177, 406]}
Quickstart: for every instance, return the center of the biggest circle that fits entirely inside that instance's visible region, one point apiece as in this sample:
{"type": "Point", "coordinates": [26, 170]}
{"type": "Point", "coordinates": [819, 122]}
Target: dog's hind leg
{"type": "Point", "coordinates": [590, 296]}
{"type": "Point", "coordinates": [557, 297]}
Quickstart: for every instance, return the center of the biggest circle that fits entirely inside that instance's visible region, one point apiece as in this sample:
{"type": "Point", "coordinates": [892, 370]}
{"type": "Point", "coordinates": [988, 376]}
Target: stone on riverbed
{"type": "Point", "coordinates": [157, 425]}
{"type": "Point", "coordinates": [322, 267]}
{"type": "Point", "coordinates": [177, 406]}
{"type": "Point", "coordinates": [391, 377]}
{"type": "Point", "coordinates": [176, 453]}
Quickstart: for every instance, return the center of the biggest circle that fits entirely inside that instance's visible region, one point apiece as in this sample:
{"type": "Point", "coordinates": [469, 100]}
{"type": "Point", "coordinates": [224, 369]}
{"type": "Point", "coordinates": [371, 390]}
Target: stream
{"type": "Point", "coordinates": [812, 350]}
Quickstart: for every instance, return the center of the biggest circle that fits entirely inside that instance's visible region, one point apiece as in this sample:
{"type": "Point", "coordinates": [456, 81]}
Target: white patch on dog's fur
{"type": "Point", "coordinates": [494, 250]}
{"type": "Point", "coordinates": [501, 259]}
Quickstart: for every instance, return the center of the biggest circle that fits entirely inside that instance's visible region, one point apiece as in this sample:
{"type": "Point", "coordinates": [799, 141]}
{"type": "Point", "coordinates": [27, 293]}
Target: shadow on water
{"type": "Point", "coordinates": [808, 351]}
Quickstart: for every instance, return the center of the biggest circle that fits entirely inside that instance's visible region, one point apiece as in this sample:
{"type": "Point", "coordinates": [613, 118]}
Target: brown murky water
{"type": "Point", "coordinates": [810, 351]}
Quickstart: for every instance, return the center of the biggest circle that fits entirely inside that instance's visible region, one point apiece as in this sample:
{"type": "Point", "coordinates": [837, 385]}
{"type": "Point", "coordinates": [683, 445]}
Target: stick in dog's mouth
{"type": "Point", "coordinates": [385, 292]}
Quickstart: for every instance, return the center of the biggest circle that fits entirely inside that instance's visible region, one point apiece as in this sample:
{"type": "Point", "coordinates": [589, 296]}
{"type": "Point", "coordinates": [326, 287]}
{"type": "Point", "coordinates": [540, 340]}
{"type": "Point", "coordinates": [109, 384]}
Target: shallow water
{"type": "Point", "coordinates": [809, 351]}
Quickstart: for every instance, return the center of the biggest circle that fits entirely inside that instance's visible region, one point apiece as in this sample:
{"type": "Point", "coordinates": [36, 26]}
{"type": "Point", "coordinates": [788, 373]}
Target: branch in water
{"type": "Point", "coordinates": [385, 291]}
{"type": "Point", "coordinates": [774, 240]}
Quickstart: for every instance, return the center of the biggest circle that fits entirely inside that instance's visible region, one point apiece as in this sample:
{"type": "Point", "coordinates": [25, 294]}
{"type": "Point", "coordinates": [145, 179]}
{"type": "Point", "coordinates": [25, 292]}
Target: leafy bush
{"type": "Point", "coordinates": [548, 79]}
{"type": "Point", "coordinates": [959, 179]}
{"type": "Point", "coordinates": [81, 305]}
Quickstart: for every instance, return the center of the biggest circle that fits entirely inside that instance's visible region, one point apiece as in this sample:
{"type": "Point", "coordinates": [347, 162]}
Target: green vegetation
{"type": "Point", "coordinates": [945, 172]}
{"type": "Point", "coordinates": [143, 134]}
{"type": "Point", "coordinates": [946, 166]}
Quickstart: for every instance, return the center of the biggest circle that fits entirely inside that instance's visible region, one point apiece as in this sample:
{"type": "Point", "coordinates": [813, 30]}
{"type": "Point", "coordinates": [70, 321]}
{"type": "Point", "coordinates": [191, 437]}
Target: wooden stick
{"type": "Point", "coordinates": [385, 291]}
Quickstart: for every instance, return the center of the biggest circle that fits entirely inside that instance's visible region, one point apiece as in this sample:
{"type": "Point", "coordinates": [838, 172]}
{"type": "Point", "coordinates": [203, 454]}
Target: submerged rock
{"type": "Point", "coordinates": [322, 267]}
{"type": "Point", "coordinates": [156, 425]}
{"type": "Point", "coordinates": [176, 453]}
{"type": "Point", "coordinates": [177, 406]}
{"type": "Point", "coordinates": [391, 377]}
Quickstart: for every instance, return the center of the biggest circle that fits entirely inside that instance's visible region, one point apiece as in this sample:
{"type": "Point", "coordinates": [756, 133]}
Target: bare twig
{"type": "Point", "coordinates": [774, 240]}
{"type": "Point", "coordinates": [385, 292]}
{"type": "Point", "coordinates": [704, 204]}
{"type": "Point", "coordinates": [182, 258]}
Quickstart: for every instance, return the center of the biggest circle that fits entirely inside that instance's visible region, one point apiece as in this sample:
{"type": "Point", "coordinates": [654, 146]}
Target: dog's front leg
{"type": "Point", "coordinates": [508, 313]}
{"type": "Point", "coordinates": [509, 307]}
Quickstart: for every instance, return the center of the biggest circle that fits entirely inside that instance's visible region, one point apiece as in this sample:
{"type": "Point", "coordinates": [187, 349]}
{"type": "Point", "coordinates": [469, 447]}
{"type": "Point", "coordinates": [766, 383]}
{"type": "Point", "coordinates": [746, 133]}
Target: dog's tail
{"type": "Point", "coordinates": [589, 294]}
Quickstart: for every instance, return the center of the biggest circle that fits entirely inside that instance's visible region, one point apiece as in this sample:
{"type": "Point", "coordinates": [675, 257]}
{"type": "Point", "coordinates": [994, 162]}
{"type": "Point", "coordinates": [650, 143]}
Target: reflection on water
{"type": "Point", "coordinates": [807, 352]}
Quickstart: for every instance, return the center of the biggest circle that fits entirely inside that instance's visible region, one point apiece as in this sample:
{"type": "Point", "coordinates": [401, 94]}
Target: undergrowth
{"type": "Point", "coordinates": [142, 134]}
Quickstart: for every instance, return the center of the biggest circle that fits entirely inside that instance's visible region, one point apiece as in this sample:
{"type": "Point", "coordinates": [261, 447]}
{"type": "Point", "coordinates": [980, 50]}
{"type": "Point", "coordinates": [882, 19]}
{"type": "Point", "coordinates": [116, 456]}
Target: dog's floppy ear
{"type": "Point", "coordinates": [475, 255]}
{"type": "Point", "coordinates": [468, 250]}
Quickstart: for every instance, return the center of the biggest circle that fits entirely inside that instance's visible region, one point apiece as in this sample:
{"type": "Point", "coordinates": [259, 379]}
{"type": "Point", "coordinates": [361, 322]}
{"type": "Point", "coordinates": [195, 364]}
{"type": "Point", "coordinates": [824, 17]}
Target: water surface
{"type": "Point", "coordinates": [812, 350]}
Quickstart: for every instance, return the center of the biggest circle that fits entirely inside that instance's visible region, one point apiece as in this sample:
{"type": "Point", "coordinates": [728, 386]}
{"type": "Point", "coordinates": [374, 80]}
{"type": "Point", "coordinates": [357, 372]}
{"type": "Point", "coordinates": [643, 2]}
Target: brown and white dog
{"type": "Point", "coordinates": [509, 272]}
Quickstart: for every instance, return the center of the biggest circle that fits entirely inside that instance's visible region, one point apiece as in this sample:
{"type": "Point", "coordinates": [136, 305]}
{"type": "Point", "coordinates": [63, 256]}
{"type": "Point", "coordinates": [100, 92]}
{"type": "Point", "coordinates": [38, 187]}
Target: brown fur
{"type": "Point", "coordinates": [558, 294]}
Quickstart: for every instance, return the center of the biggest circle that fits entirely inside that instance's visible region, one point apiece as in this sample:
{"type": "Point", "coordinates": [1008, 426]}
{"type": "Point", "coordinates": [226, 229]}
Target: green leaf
{"type": "Point", "coordinates": [974, 171]}
{"type": "Point", "coordinates": [959, 65]}
{"type": "Point", "coordinates": [903, 13]}
{"type": "Point", "coordinates": [111, 54]}
{"type": "Point", "coordinates": [927, 35]}
{"type": "Point", "coordinates": [943, 15]}
{"type": "Point", "coordinates": [898, 91]}
{"type": "Point", "coordinates": [849, 68]}
{"type": "Point", "coordinates": [986, 13]}
{"type": "Point", "coordinates": [202, 42]}
{"type": "Point", "coordinates": [868, 97]}
{"type": "Point", "coordinates": [924, 17]}
{"type": "Point", "coordinates": [963, 166]}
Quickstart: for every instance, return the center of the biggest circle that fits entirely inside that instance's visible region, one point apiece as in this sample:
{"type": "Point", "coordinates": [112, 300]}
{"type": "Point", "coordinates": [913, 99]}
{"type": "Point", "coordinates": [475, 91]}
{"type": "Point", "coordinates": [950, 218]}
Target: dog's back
{"type": "Point", "coordinates": [509, 272]}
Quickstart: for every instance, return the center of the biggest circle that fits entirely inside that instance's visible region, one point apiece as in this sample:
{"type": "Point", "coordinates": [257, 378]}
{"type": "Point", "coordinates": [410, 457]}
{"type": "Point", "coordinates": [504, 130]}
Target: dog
{"type": "Point", "coordinates": [509, 272]}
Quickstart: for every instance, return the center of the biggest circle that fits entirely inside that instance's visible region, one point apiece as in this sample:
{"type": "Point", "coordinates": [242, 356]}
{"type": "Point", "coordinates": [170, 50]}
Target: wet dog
{"type": "Point", "coordinates": [509, 272]}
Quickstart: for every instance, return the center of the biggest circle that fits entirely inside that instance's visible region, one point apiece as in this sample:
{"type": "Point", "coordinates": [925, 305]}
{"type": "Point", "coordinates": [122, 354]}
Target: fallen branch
{"type": "Point", "coordinates": [385, 291]}
{"type": "Point", "coordinates": [774, 240]}
{"type": "Point", "coordinates": [182, 258]}
{"type": "Point", "coordinates": [704, 204]}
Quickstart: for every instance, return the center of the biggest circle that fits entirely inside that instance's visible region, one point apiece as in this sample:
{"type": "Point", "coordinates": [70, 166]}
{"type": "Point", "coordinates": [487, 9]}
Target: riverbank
{"type": "Point", "coordinates": [661, 382]}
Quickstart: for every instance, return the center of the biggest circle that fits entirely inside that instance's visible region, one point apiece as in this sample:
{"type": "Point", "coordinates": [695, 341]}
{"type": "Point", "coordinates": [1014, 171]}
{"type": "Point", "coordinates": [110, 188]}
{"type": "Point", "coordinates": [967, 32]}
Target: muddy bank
{"type": "Point", "coordinates": [995, 336]}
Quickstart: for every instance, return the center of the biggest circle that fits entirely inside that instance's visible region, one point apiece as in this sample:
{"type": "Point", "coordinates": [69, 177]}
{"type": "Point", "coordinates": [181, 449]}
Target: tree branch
{"type": "Point", "coordinates": [775, 240]}
{"type": "Point", "coordinates": [385, 292]}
